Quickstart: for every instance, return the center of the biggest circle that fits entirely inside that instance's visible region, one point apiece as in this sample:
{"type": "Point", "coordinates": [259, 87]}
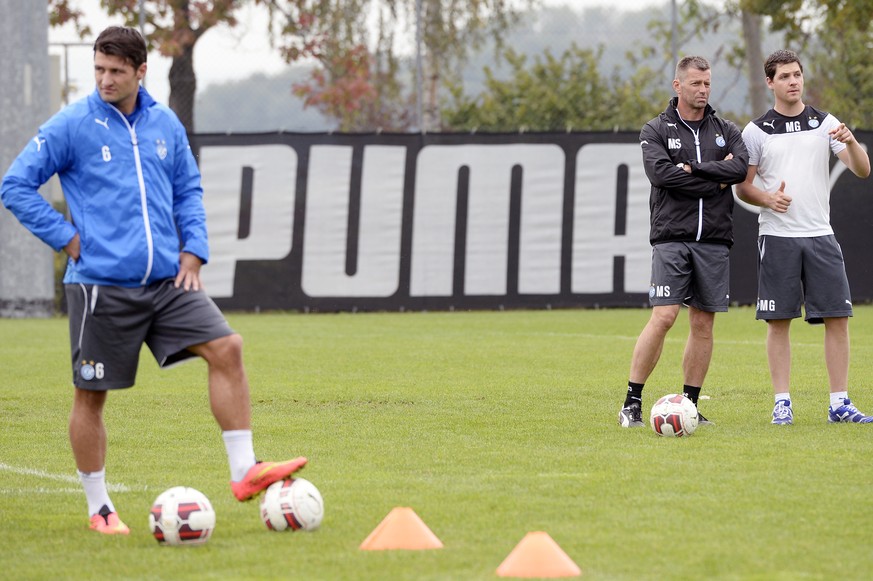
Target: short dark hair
{"type": "Point", "coordinates": [124, 42]}
{"type": "Point", "coordinates": [780, 57]}
{"type": "Point", "coordinates": [687, 62]}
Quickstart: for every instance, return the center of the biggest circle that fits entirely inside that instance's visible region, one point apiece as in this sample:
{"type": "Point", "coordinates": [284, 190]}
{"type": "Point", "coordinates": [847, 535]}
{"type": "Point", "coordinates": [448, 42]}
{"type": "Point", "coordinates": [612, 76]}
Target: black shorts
{"type": "Point", "coordinates": [691, 273]}
{"type": "Point", "coordinates": [802, 271]}
{"type": "Point", "coordinates": [109, 324]}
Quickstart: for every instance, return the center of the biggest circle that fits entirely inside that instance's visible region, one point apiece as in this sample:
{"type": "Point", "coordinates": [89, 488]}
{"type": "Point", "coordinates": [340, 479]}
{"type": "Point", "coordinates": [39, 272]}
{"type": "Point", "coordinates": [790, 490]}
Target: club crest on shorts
{"type": "Point", "coordinates": [91, 370]}
{"type": "Point", "coordinates": [87, 372]}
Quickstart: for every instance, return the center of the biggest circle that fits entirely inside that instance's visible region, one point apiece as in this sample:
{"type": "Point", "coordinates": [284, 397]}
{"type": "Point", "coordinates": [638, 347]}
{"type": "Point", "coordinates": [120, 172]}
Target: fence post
{"type": "Point", "coordinates": [26, 264]}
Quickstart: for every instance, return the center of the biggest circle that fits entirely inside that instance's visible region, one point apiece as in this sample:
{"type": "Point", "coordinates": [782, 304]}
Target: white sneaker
{"type": "Point", "coordinates": [782, 413]}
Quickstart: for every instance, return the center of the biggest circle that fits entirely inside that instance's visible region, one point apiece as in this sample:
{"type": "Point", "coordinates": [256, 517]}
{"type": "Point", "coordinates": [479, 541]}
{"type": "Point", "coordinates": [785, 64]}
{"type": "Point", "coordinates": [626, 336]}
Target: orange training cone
{"type": "Point", "coordinates": [537, 555]}
{"type": "Point", "coordinates": [401, 529]}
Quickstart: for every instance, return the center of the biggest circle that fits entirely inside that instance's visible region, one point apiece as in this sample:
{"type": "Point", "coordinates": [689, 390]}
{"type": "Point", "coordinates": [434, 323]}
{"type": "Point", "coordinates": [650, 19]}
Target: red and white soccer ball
{"type": "Point", "coordinates": [182, 516]}
{"type": "Point", "coordinates": [293, 504]}
{"type": "Point", "coordinates": [674, 415]}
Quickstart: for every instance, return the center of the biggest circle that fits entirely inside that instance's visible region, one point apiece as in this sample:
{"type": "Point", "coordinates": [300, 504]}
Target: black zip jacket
{"type": "Point", "coordinates": [692, 207]}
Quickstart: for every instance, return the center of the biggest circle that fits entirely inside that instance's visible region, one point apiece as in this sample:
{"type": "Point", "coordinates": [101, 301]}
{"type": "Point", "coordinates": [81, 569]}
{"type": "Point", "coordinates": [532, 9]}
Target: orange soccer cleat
{"type": "Point", "coordinates": [108, 523]}
{"type": "Point", "coordinates": [263, 474]}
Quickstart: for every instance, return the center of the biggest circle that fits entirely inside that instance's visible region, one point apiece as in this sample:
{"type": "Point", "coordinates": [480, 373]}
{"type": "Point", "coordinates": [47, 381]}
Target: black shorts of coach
{"type": "Point", "coordinates": [696, 274]}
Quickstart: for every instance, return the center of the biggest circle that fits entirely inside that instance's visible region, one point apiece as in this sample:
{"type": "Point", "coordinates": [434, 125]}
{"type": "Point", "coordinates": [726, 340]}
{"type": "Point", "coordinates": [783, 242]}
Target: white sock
{"type": "Point", "coordinates": [785, 395]}
{"type": "Point", "coordinates": [94, 484]}
{"type": "Point", "coordinates": [240, 452]}
{"type": "Point", "coordinates": [837, 398]}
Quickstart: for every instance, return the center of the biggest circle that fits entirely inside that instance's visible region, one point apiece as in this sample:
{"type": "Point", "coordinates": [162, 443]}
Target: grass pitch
{"type": "Point", "coordinates": [489, 425]}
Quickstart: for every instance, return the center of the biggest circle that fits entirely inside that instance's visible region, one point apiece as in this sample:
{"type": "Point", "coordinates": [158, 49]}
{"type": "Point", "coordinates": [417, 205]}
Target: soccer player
{"type": "Point", "coordinates": [691, 157]}
{"type": "Point", "coordinates": [135, 245]}
{"type": "Point", "coordinates": [799, 259]}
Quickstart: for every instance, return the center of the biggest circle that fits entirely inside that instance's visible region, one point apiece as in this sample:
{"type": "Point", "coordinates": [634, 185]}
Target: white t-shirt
{"type": "Point", "coordinates": [795, 150]}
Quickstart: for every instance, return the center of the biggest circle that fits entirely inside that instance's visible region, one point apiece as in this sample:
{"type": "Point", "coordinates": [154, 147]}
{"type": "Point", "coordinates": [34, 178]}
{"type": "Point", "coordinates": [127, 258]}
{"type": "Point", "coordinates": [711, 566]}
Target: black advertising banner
{"type": "Point", "coordinates": [340, 222]}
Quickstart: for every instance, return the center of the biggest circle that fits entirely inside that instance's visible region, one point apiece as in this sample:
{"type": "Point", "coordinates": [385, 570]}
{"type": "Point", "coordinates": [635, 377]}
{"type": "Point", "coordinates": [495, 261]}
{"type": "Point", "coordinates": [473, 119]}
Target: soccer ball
{"type": "Point", "coordinates": [674, 415]}
{"type": "Point", "coordinates": [292, 504]}
{"type": "Point", "coordinates": [182, 516]}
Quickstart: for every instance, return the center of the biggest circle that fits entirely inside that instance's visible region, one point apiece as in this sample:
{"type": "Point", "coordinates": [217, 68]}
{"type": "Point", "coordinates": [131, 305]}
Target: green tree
{"type": "Point", "coordinates": [833, 38]}
{"type": "Point", "coordinates": [699, 22]}
{"type": "Point", "coordinates": [175, 27]}
{"type": "Point", "coordinates": [561, 93]}
{"type": "Point", "coordinates": [366, 79]}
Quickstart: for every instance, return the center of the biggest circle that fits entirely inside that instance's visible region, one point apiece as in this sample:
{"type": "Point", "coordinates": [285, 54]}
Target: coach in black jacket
{"type": "Point", "coordinates": [691, 158]}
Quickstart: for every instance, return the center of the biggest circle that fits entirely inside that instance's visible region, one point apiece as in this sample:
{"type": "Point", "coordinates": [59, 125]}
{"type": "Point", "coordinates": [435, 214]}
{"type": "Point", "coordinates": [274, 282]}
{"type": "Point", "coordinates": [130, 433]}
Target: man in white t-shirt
{"type": "Point", "coordinates": [799, 259]}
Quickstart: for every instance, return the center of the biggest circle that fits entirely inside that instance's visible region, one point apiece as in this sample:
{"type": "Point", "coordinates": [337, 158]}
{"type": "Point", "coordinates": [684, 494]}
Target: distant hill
{"type": "Point", "coordinates": [257, 104]}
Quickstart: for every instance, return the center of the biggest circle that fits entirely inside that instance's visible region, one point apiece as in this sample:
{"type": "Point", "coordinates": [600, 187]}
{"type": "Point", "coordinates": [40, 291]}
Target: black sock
{"type": "Point", "coordinates": [691, 392]}
{"type": "Point", "coordinates": [634, 393]}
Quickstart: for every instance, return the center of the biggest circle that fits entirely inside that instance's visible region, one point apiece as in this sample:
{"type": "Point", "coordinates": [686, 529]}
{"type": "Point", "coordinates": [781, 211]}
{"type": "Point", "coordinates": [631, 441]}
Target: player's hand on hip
{"type": "Point", "coordinates": [189, 272]}
{"type": "Point", "coordinates": [74, 247]}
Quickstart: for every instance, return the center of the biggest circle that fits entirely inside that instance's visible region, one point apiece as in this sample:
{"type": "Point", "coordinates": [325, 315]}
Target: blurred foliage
{"type": "Point", "coordinates": [364, 77]}
{"type": "Point", "coordinates": [833, 39]}
{"type": "Point", "coordinates": [359, 82]}
{"type": "Point", "coordinates": [562, 93]}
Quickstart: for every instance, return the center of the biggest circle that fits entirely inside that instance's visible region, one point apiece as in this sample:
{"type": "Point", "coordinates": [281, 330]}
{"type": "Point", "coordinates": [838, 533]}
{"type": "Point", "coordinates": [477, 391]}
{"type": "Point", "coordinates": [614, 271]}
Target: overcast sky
{"type": "Point", "coordinates": [223, 54]}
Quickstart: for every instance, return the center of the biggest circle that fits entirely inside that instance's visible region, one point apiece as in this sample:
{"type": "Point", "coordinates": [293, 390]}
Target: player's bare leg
{"type": "Point", "coordinates": [231, 406]}
{"type": "Point", "coordinates": [87, 430]}
{"type": "Point", "coordinates": [779, 359]}
{"type": "Point", "coordinates": [88, 441]}
{"type": "Point", "coordinates": [836, 347]}
{"type": "Point", "coordinates": [650, 343]}
{"type": "Point", "coordinates": [698, 349]}
{"type": "Point", "coordinates": [779, 353]}
{"type": "Point", "coordinates": [228, 384]}
{"type": "Point", "coordinates": [647, 352]}
{"type": "Point", "coordinates": [836, 350]}
{"type": "Point", "coordinates": [698, 354]}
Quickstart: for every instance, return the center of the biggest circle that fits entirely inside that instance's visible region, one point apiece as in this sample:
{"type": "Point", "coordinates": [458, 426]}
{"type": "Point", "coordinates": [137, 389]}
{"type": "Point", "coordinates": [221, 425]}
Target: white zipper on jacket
{"type": "Point", "coordinates": [142, 195]}
{"type": "Point", "coordinates": [145, 209]}
{"type": "Point", "coordinates": [700, 201]}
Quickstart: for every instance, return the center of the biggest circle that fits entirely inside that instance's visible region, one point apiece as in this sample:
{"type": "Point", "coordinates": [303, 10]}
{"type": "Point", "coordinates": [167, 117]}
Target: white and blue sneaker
{"type": "Point", "coordinates": [847, 413]}
{"type": "Point", "coordinates": [782, 414]}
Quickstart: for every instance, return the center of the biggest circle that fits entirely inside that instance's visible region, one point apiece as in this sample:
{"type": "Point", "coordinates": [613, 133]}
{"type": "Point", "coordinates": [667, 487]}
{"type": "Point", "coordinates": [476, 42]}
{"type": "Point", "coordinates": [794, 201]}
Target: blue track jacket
{"type": "Point", "coordinates": [131, 184]}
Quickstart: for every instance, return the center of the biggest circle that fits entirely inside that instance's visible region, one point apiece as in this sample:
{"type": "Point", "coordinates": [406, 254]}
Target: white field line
{"type": "Point", "coordinates": [42, 475]}
{"type": "Point", "coordinates": [38, 490]}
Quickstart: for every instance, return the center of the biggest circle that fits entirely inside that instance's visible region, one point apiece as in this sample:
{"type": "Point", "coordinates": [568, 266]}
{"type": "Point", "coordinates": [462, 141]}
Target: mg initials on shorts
{"type": "Point", "coordinates": [802, 271]}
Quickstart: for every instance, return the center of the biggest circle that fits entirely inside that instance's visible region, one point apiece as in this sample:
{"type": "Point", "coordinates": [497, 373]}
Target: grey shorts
{"type": "Point", "coordinates": [691, 273]}
{"type": "Point", "coordinates": [109, 324]}
{"type": "Point", "coordinates": [802, 271]}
